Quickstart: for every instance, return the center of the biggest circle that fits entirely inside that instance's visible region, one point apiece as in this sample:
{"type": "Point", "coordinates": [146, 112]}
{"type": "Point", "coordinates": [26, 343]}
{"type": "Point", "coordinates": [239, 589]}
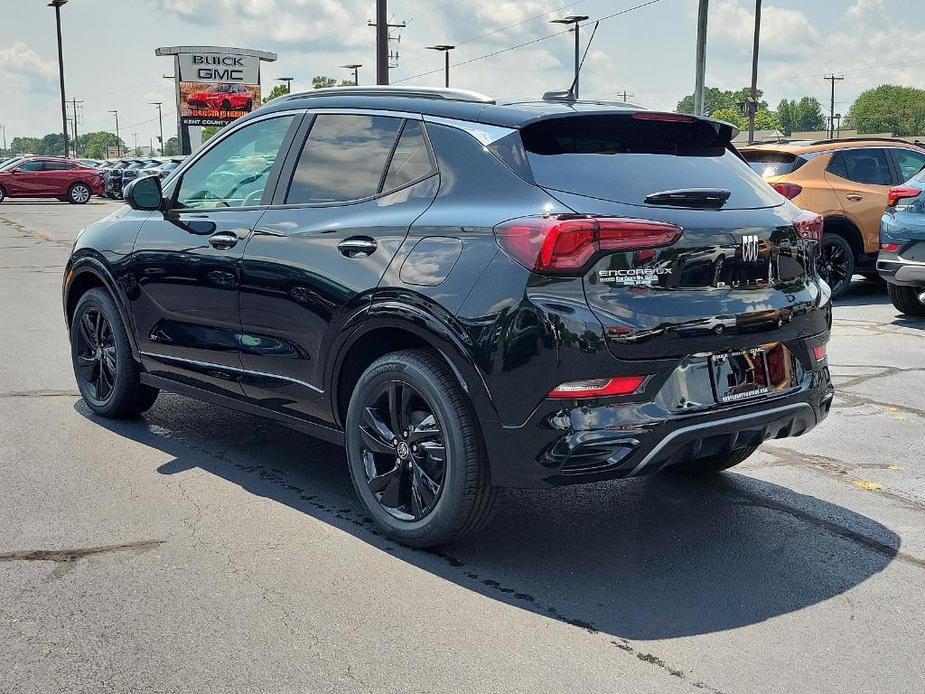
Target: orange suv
{"type": "Point", "coordinates": [846, 181]}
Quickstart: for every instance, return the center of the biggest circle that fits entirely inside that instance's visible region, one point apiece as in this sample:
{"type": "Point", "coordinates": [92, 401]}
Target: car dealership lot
{"type": "Point", "coordinates": [198, 549]}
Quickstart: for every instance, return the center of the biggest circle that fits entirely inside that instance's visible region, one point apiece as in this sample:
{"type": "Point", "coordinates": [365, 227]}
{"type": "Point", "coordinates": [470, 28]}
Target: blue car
{"type": "Point", "coordinates": [901, 261]}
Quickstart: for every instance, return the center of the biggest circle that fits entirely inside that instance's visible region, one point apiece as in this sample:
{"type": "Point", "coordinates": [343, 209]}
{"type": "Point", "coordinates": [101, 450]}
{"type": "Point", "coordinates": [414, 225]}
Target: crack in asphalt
{"type": "Point", "coordinates": [43, 236]}
{"type": "Point", "coordinates": [72, 555]}
{"type": "Point", "coordinates": [49, 393]}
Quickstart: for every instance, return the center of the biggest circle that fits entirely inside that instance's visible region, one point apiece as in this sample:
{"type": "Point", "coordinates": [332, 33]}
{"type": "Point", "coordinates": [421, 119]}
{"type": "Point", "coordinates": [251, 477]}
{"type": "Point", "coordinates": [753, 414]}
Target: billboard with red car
{"type": "Point", "coordinates": [216, 88]}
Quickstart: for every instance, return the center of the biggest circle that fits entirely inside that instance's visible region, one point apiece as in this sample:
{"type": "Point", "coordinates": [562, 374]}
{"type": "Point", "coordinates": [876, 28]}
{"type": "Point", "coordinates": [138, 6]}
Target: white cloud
{"type": "Point", "coordinates": [785, 33]}
{"type": "Point", "coordinates": [21, 68]}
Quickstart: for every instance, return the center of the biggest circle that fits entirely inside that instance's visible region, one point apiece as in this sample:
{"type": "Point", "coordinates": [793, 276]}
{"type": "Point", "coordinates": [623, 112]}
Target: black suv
{"type": "Point", "coordinates": [465, 294]}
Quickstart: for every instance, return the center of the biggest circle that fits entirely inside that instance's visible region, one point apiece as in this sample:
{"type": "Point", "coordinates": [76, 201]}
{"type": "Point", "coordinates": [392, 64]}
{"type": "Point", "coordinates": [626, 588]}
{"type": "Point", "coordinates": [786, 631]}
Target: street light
{"type": "Point", "coordinates": [57, 5]}
{"type": "Point", "coordinates": [288, 81]}
{"type": "Point", "coordinates": [356, 72]}
{"type": "Point", "coordinates": [118, 139]}
{"type": "Point", "coordinates": [445, 48]}
{"type": "Point", "coordinates": [160, 117]}
{"type": "Point", "coordinates": [576, 20]}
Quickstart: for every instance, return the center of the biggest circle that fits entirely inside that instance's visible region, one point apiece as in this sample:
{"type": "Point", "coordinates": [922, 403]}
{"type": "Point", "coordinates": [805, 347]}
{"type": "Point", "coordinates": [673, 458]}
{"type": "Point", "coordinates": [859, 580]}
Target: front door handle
{"type": "Point", "coordinates": [855, 197]}
{"type": "Point", "coordinates": [357, 247]}
{"type": "Point", "coordinates": [223, 239]}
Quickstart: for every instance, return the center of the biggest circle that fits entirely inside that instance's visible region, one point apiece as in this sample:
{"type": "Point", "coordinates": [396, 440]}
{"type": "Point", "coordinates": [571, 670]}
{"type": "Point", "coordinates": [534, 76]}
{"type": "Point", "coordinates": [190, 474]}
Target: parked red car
{"type": "Point", "coordinates": [223, 97]}
{"type": "Point", "coordinates": [50, 177]}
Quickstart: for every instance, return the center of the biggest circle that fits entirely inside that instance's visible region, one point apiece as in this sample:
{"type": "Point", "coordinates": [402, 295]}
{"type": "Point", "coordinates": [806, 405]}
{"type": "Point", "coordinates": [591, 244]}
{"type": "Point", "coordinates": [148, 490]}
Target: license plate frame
{"type": "Point", "coordinates": [740, 375]}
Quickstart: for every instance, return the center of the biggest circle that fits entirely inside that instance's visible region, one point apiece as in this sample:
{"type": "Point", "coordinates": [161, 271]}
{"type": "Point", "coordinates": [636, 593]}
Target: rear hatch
{"type": "Point", "coordinates": [740, 273]}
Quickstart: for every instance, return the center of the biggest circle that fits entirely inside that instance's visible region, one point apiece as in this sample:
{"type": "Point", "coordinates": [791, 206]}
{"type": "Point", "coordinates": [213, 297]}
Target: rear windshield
{"type": "Point", "coordinates": [773, 163]}
{"type": "Point", "coordinates": [624, 159]}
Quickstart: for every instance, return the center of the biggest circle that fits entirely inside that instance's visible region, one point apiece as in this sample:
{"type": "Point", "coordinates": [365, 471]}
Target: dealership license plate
{"type": "Point", "coordinates": [740, 375]}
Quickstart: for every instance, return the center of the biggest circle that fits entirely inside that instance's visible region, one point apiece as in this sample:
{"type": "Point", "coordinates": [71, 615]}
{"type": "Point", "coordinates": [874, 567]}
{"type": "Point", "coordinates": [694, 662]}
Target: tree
{"type": "Point", "coordinates": [210, 130]}
{"type": "Point", "coordinates": [889, 108]}
{"type": "Point", "coordinates": [322, 82]}
{"type": "Point", "coordinates": [26, 145]}
{"type": "Point", "coordinates": [172, 147]}
{"type": "Point", "coordinates": [716, 99]}
{"type": "Point", "coordinates": [805, 114]}
{"type": "Point", "coordinates": [96, 145]}
{"type": "Point", "coordinates": [278, 90]}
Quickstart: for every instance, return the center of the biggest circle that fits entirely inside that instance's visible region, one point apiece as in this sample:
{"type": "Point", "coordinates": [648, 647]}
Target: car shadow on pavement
{"type": "Point", "coordinates": [651, 558]}
{"type": "Point", "coordinates": [864, 292]}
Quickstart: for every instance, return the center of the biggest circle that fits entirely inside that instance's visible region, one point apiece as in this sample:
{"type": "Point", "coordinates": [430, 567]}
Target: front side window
{"type": "Point", "coordinates": [343, 159]}
{"type": "Point", "coordinates": [30, 166]}
{"type": "Point", "coordinates": [867, 165]}
{"type": "Point", "coordinates": [234, 173]}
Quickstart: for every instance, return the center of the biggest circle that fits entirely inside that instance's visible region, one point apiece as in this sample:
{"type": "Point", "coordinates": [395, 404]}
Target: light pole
{"type": "Point", "coordinates": [57, 5]}
{"type": "Point", "coordinates": [356, 72]}
{"type": "Point", "coordinates": [837, 125]}
{"type": "Point", "coordinates": [445, 48]}
{"type": "Point", "coordinates": [700, 59]}
{"type": "Point", "coordinates": [753, 104]}
{"type": "Point", "coordinates": [135, 139]}
{"type": "Point", "coordinates": [576, 20]}
{"type": "Point", "coordinates": [288, 81]}
{"type": "Point", "coordinates": [118, 139]}
{"type": "Point", "coordinates": [160, 117]}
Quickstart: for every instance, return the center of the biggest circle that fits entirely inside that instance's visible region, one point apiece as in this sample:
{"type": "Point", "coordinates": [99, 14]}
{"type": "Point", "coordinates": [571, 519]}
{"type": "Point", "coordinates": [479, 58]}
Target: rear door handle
{"type": "Point", "coordinates": [223, 239]}
{"type": "Point", "coordinates": [357, 247]}
{"type": "Point", "coordinates": [854, 196]}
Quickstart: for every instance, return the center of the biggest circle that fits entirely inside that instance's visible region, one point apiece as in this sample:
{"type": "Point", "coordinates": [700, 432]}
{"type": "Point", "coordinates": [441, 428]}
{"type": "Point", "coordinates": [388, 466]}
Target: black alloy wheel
{"type": "Point", "coordinates": [835, 263]}
{"type": "Point", "coordinates": [96, 360]}
{"type": "Point", "coordinates": [415, 451]}
{"type": "Point", "coordinates": [107, 374]}
{"type": "Point", "coordinates": [404, 454]}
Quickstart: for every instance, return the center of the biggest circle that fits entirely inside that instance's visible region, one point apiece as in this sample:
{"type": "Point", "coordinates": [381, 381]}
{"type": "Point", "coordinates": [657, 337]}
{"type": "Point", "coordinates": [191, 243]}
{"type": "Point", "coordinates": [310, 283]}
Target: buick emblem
{"type": "Point", "coordinates": [403, 451]}
{"type": "Point", "coordinates": [749, 248]}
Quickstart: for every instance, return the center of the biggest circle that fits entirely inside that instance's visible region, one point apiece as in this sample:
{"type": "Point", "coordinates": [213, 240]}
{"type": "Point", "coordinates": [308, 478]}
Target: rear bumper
{"type": "Point", "coordinates": [898, 270]}
{"type": "Point", "coordinates": [559, 446]}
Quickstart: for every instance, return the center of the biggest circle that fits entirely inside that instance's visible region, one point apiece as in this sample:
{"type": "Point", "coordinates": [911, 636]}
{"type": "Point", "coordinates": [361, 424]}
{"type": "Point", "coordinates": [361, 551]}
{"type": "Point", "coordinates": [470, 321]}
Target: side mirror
{"type": "Point", "coordinates": [144, 193]}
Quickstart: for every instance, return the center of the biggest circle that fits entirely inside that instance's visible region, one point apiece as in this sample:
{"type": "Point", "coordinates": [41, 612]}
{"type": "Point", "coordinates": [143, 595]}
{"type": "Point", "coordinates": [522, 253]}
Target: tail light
{"type": "Point", "coordinates": [819, 352]}
{"type": "Point", "coordinates": [809, 226]}
{"type": "Point", "coordinates": [788, 190]}
{"type": "Point", "coordinates": [598, 387]}
{"type": "Point", "coordinates": [567, 243]}
{"type": "Point", "coordinates": [898, 193]}
{"type": "Point", "coordinates": [889, 247]}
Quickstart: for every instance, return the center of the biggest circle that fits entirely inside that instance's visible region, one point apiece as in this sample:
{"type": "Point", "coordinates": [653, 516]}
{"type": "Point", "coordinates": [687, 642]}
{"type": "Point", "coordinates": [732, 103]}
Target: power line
{"type": "Point", "coordinates": [528, 43]}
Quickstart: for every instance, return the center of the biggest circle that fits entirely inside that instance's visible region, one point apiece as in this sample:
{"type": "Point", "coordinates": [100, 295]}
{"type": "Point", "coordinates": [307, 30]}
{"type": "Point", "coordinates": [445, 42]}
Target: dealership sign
{"type": "Point", "coordinates": [215, 84]}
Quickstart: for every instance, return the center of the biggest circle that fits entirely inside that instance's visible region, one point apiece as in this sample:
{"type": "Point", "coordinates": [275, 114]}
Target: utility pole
{"type": "Point", "coordinates": [57, 5]}
{"type": "Point", "coordinates": [118, 139]}
{"type": "Point", "coordinates": [575, 20]}
{"type": "Point", "coordinates": [701, 57]}
{"type": "Point", "coordinates": [624, 94]}
{"type": "Point", "coordinates": [160, 117]}
{"type": "Point", "coordinates": [74, 103]}
{"type": "Point", "coordinates": [356, 72]}
{"type": "Point", "coordinates": [833, 79]}
{"type": "Point", "coordinates": [135, 139]}
{"type": "Point", "coordinates": [445, 48]}
{"type": "Point", "coordinates": [753, 106]}
{"type": "Point", "coordinates": [382, 40]}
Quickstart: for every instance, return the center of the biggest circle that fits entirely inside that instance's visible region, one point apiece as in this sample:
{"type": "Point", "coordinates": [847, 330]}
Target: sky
{"type": "Point", "coordinates": [647, 51]}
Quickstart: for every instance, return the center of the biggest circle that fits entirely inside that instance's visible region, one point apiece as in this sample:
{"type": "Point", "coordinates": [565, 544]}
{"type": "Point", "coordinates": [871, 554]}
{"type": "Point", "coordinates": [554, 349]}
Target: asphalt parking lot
{"type": "Point", "coordinates": [200, 550]}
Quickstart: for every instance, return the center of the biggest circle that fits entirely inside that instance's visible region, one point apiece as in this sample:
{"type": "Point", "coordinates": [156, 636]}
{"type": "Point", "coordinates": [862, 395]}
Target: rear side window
{"type": "Point", "coordinates": [865, 165]}
{"type": "Point", "coordinates": [343, 159]}
{"type": "Point", "coordinates": [58, 166]}
{"type": "Point", "coordinates": [773, 163]}
{"type": "Point", "coordinates": [908, 162]}
{"type": "Point", "coordinates": [411, 159]}
{"type": "Point", "coordinates": [625, 159]}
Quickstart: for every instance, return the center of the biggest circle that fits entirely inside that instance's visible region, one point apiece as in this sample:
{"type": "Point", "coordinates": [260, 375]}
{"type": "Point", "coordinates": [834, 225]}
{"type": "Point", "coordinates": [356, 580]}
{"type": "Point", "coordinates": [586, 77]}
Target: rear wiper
{"type": "Point", "coordinates": [708, 198]}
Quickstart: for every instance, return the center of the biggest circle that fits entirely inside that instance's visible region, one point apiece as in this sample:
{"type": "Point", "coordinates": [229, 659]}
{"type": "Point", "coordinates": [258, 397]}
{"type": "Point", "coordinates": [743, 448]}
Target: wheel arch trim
{"type": "Point", "coordinates": [85, 265]}
{"type": "Point", "coordinates": [447, 340]}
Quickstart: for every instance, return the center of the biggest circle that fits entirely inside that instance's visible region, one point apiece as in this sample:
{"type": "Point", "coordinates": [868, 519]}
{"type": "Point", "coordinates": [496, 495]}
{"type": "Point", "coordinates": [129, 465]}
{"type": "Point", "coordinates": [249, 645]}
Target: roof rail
{"type": "Point", "coordinates": [858, 138]}
{"type": "Point", "coordinates": [387, 90]}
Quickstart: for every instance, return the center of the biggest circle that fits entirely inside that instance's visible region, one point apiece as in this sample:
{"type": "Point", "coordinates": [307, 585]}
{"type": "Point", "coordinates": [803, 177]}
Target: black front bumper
{"type": "Point", "coordinates": [613, 441]}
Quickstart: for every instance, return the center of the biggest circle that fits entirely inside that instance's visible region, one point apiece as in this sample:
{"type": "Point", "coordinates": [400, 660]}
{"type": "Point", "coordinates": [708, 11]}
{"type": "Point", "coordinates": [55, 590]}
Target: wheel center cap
{"type": "Point", "coordinates": [404, 452]}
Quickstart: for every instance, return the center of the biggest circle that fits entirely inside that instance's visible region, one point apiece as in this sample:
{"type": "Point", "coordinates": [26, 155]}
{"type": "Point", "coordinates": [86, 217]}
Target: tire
{"type": "Point", "coordinates": [225, 105]}
{"type": "Point", "coordinates": [79, 194]}
{"type": "Point", "coordinates": [451, 503]}
{"type": "Point", "coordinates": [906, 299]}
{"type": "Point", "coordinates": [249, 106]}
{"type": "Point", "coordinates": [2, 194]}
{"type": "Point", "coordinates": [836, 263]}
{"type": "Point", "coordinates": [108, 377]}
{"type": "Point", "coordinates": [715, 463]}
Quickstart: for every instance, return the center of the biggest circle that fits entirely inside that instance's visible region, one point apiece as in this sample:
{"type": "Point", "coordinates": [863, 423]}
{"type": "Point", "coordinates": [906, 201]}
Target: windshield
{"type": "Point", "coordinates": [216, 88]}
{"type": "Point", "coordinates": [10, 163]}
